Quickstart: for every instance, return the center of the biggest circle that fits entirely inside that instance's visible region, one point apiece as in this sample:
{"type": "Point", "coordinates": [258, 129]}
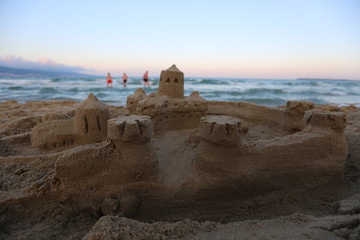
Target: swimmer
{"type": "Point", "coordinates": [124, 78]}
{"type": "Point", "coordinates": [109, 80]}
{"type": "Point", "coordinates": [146, 79]}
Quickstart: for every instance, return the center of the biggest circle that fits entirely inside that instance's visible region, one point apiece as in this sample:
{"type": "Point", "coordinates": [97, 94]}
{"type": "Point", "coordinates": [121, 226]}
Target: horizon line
{"type": "Point", "coordinates": [209, 77]}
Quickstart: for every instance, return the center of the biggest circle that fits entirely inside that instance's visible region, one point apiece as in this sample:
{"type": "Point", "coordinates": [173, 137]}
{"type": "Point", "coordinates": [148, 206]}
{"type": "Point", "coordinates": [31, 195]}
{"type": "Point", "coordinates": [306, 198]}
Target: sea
{"type": "Point", "coordinates": [269, 92]}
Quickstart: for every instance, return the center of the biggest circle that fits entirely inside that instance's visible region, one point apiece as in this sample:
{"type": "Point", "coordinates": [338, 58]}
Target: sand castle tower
{"type": "Point", "coordinates": [91, 121]}
{"type": "Point", "coordinates": [131, 137]}
{"type": "Point", "coordinates": [171, 83]}
{"type": "Point", "coordinates": [220, 141]}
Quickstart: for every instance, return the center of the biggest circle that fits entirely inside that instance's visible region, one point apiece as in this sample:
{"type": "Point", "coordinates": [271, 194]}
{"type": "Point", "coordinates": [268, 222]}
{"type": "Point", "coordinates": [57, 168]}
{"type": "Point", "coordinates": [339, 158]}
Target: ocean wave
{"type": "Point", "coordinates": [16, 88]}
{"type": "Point", "coordinates": [270, 92]}
{"type": "Point", "coordinates": [48, 90]}
{"type": "Point", "coordinates": [265, 101]}
{"type": "Point", "coordinates": [74, 90]}
{"type": "Point", "coordinates": [260, 91]}
{"type": "Point", "coordinates": [101, 95]}
{"type": "Point", "coordinates": [98, 89]}
{"type": "Point", "coordinates": [209, 81]}
{"type": "Point", "coordinates": [62, 98]}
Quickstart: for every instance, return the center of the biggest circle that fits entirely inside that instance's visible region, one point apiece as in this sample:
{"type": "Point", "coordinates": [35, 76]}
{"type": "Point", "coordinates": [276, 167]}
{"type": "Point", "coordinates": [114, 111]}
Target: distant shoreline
{"type": "Point", "coordinates": [21, 72]}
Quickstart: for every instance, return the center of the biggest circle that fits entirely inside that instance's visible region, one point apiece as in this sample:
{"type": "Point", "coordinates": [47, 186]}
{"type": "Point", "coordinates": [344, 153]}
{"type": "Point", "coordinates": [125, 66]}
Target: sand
{"type": "Point", "coordinates": [34, 205]}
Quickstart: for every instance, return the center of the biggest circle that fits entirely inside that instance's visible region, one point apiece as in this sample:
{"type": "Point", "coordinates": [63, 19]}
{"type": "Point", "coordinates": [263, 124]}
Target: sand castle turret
{"type": "Point", "coordinates": [131, 136]}
{"type": "Point", "coordinates": [221, 138]}
{"type": "Point", "coordinates": [91, 121]}
{"type": "Point", "coordinates": [171, 83]}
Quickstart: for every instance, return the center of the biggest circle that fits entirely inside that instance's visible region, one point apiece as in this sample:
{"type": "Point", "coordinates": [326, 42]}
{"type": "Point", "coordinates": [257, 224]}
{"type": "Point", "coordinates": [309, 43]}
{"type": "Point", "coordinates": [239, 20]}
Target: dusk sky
{"type": "Point", "coordinates": [245, 39]}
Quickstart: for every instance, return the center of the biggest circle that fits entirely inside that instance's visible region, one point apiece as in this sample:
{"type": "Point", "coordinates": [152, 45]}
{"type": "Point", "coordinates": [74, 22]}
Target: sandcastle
{"type": "Point", "coordinates": [221, 145]}
{"type": "Point", "coordinates": [88, 126]}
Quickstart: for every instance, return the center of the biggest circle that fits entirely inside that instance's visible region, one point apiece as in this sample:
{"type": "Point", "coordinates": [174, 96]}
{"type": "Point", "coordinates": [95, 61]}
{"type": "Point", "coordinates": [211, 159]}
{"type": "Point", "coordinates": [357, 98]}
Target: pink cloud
{"type": "Point", "coordinates": [41, 64]}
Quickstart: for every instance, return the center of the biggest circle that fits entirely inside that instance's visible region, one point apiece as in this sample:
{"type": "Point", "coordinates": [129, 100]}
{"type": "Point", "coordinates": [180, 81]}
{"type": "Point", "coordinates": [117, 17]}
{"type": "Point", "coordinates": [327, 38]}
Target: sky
{"type": "Point", "coordinates": [218, 38]}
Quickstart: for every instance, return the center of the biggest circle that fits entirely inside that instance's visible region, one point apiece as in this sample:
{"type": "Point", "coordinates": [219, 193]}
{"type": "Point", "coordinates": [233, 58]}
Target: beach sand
{"type": "Point", "coordinates": [33, 204]}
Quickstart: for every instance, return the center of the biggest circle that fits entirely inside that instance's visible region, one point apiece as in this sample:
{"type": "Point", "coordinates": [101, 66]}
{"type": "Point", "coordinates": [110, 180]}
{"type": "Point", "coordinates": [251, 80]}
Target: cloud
{"type": "Point", "coordinates": [44, 64]}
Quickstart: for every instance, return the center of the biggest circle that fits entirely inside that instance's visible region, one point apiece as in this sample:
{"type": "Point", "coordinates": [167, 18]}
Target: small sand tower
{"type": "Point", "coordinates": [91, 121]}
{"type": "Point", "coordinates": [171, 83]}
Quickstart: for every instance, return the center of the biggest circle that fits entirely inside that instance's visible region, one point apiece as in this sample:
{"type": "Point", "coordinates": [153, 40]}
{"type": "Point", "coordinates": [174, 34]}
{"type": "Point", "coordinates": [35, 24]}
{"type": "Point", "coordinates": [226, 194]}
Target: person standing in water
{"type": "Point", "coordinates": [109, 80]}
{"type": "Point", "coordinates": [146, 79]}
{"type": "Point", "coordinates": [124, 78]}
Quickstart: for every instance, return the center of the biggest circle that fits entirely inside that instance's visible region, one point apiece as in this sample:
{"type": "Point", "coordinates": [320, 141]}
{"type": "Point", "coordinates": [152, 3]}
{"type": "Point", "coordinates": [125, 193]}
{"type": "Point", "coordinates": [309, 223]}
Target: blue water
{"type": "Point", "coordinates": [270, 92]}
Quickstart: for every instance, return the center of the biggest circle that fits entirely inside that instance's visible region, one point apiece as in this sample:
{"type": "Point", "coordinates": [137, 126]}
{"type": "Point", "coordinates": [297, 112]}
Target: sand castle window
{"type": "Point", "coordinates": [168, 80]}
{"type": "Point", "coordinates": [98, 123]}
{"type": "Point", "coordinates": [86, 124]}
{"type": "Point", "coordinates": [176, 80]}
{"type": "Point", "coordinates": [308, 120]}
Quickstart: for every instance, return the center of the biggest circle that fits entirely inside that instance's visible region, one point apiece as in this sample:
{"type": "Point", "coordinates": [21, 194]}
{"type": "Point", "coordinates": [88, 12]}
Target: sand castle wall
{"type": "Point", "coordinates": [311, 158]}
{"type": "Point", "coordinates": [169, 113]}
{"type": "Point", "coordinates": [290, 118]}
{"type": "Point", "coordinates": [53, 134]}
{"type": "Point", "coordinates": [177, 120]}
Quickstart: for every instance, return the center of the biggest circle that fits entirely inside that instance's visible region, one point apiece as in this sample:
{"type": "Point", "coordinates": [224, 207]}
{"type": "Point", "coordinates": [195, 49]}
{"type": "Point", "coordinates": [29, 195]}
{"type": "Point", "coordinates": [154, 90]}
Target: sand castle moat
{"type": "Point", "coordinates": [166, 146]}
